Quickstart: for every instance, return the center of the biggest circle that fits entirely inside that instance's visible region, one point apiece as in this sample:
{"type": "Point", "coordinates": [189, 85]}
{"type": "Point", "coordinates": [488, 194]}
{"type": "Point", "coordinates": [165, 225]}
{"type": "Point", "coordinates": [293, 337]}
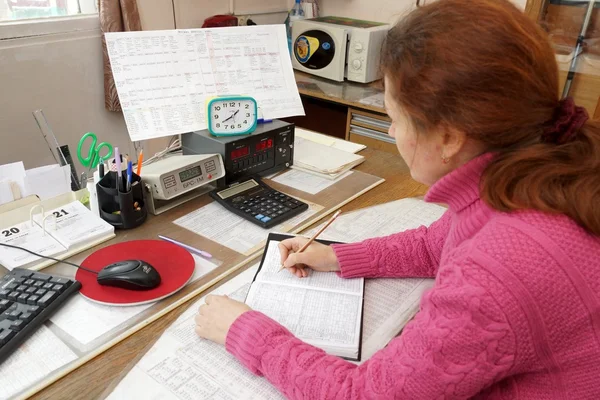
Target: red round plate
{"type": "Point", "coordinates": [174, 264]}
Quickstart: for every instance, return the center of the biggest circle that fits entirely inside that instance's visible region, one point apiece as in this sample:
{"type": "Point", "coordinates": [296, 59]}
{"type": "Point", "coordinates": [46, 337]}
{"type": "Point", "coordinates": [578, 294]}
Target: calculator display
{"type": "Point", "coordinates": [190, 173]}
{"type": "Point", "coordinates": [242, 187]}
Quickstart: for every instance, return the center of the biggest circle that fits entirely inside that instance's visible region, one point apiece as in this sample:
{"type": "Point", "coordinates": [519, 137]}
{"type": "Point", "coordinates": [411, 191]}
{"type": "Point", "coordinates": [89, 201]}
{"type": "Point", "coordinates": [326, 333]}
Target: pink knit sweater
{"type": "Point", "coordinates": [514, 313]}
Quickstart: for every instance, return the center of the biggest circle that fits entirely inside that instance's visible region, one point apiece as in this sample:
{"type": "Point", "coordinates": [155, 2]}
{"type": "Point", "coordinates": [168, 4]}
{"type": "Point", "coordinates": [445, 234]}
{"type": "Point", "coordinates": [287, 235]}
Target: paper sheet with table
{"type": "Point", "coordinates": [86, 325]}
{"type": "Point", "coordinates": [306, 181]}
{"type": "Point", "coordinates": [323, 309]}
{"type": "Point", "coordinates": [41, 354]}
{"type": "Point", "coordinates": [86, 321]}
{"type": "Point", "coordinates": [233, 231]}
{"type": "Point", "coordinates": [164, 77]}
{"type": "Point", "coordinates": [182, 366]}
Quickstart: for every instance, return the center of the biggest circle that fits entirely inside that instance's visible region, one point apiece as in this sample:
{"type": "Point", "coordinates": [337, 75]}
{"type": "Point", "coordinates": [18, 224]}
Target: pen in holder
{"type": "Point", "coordinates": [123, 207]}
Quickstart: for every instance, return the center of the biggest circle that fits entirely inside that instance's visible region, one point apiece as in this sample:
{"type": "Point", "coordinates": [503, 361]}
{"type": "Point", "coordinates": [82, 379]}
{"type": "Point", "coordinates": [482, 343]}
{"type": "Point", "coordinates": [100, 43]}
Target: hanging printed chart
{"type": "Point", "coordinates": [163, 78]}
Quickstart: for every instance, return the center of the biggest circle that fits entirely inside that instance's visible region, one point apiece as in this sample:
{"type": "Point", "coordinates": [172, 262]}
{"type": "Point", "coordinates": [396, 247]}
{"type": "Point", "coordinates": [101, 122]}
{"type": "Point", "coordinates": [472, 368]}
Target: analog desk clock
{"type": "Point", "coordinates": [231, 115]}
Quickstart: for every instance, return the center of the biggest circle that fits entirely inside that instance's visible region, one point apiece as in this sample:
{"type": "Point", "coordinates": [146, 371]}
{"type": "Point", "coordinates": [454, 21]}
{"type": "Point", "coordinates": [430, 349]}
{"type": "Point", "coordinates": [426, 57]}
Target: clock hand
{"type": "Point", "coordinates": [227, 119]}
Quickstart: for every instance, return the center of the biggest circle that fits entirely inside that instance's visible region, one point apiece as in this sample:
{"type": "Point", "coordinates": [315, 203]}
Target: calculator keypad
{"type": "Point", "coordinates": [266, 205]}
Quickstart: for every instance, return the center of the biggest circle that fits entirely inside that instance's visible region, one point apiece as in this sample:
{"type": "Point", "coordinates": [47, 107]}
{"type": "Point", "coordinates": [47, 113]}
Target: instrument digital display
{"type": "Point", "coordinates": [190, 173]}
{"type": "Point", "coordinates": [239, 153]}
{"type": "Point", "coordinates": [264, 145]}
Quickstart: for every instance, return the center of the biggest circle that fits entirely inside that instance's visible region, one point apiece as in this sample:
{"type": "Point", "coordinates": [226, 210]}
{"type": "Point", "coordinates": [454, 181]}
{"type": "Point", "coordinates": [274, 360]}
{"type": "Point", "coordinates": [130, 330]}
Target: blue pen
{"type": "Point", "coordinates": [119, 172]}
{"type": "Point", "coordinates": [129, 174]}
{"type": "Point", "coordinates": [188, 248]}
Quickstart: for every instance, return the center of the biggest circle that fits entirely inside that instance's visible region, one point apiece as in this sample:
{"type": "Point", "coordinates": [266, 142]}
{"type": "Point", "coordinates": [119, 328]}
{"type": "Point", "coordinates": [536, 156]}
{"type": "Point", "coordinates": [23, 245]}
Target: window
{"type": "Point", "coordinates": [14, 10]}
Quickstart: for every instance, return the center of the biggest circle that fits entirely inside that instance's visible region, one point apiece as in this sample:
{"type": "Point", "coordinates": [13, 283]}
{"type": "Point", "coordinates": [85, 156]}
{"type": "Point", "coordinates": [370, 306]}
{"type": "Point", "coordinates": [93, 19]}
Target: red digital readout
{"type": "Point", "coordinates": [237, 153]}
{"type": "Point", "coordinates": [264, 145]}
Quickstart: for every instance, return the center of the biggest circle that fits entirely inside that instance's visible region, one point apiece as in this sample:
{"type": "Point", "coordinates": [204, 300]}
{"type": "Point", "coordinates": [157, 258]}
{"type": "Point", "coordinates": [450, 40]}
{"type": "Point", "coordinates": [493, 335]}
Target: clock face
{"type": "Point", "coordinates": [232, 116]}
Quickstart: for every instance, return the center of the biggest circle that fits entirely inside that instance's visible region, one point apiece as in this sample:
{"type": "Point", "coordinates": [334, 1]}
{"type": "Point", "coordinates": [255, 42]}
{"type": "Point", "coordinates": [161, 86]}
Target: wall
{"type": "Point", "coordinates": [61, 74]}
{"type": "Point", "coordinates": [373, 10]}
{"type": "Point", "coordinates": [376, 10]}
{"type": "Point", "coordinates": [192, 13]}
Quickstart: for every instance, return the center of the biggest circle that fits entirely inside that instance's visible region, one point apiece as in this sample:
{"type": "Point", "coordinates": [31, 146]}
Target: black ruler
{"type": "Point", "coordinates": [67, 157]}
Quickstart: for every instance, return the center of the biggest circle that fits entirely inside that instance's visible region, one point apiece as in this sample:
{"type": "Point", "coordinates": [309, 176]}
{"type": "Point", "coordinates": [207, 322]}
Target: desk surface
{"type": "Point", "coordinates": [91, 380]}
{"type": "Point", "coordinates": [348, 93]}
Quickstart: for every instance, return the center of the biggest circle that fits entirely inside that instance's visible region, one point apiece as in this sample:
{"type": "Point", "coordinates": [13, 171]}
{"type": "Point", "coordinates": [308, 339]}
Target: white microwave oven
{"type": "Point", "coordinates": [338, 48]}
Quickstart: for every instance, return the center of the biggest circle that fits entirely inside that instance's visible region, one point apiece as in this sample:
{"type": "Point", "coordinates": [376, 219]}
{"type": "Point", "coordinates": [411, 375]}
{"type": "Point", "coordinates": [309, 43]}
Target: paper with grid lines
{"type": "Point", "coordinates": [180, 366]}
{"type": "Point", "coordinates": [324, 309]}
{"type": "Point", "coordinates": [163, 78]}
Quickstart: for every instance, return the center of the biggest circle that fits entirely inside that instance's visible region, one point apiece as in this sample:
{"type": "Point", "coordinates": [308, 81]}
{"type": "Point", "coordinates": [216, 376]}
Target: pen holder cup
{"type": "Point", "coordinates": [124, 210]}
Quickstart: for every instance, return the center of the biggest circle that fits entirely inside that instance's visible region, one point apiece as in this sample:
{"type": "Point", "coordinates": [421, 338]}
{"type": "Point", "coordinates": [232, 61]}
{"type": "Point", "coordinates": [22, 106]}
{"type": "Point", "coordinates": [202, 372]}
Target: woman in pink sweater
{"type": "Point", "coordinates": [471, 88]}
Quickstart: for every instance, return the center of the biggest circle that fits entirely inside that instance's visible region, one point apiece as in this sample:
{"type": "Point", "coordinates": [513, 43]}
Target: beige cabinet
{"type": "Point", "coordinates": [371, 129]}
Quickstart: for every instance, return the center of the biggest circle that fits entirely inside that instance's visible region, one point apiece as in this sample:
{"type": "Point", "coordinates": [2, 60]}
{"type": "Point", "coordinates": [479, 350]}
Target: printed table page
{"type": "Point", "coordinates": [163, 78]}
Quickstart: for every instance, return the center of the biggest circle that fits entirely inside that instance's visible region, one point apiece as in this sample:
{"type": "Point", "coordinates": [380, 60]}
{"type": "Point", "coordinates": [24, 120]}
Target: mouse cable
{"type": "Point", "coordinates": [49, 258]}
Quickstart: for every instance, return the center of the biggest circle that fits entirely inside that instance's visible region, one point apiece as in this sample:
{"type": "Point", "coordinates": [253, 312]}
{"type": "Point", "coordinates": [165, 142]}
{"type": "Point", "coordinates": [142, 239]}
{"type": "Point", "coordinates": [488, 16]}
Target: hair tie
{"type": "Point", "coordinates": [567, 121]}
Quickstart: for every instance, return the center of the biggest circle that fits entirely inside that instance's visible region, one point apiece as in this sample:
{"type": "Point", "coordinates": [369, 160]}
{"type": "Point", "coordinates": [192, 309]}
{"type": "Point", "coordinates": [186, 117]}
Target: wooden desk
{"type": "Point", "coordinates": [92, 380]}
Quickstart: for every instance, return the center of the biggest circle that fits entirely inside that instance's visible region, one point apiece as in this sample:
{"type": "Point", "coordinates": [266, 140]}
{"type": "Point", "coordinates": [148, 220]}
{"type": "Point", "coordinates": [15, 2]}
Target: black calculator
{"type": "Point", "coordinates": [254, 200]}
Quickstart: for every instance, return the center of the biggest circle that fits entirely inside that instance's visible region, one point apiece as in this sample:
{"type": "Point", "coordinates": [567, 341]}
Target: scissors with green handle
{"type": "Point", "coordinates": [93, 157]}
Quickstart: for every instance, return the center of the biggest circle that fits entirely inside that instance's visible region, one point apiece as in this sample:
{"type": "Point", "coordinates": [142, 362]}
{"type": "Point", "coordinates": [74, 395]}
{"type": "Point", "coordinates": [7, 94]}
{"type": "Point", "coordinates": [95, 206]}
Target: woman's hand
{"type": "Point", "coordinates": [317, 256]}
{"type": "Point", "coordinates": [216, 317]}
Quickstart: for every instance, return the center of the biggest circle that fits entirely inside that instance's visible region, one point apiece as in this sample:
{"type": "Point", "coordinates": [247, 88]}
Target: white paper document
{"type": "Point", "coordinates": [330, 141]}
{"type": "Point", "coordinates": [42, 353]}
{"type": "Point", "coordinates": [308, 155]}
{"type": "Point", "coordinates": [233, 231]}
{"type": "Point", "coordinates": [7, 192]}
{"type": "Point", "coordinates": [12, 177]}
{"type": "Point", "coordinates": [87, 321]}
{"type": "Point", "coordinates": [14, 171]}
{"type": "Point", "coordinates": [181, 366]}
{"type": "Point", "coordinates": [381, 220]}
{"type": "Point", "coordinates": [29, 236]}
{"type": "Point", "coordinates": [323, 309]}
{"type": "Point", "coordinates": [48, 181]}
{"type": "Point", "coordinates": [307, 182]}
{"type": "Point", "coordinates": [389, 304]}
{"type": "Point", "coordinates": [73, 224]}
{"type": "Point", "coordinates": [163, 78]}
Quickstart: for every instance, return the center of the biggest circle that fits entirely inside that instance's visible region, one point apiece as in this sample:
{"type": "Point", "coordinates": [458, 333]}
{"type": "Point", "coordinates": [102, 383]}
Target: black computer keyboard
{"type": "Point", "coordinates": [27, 300]}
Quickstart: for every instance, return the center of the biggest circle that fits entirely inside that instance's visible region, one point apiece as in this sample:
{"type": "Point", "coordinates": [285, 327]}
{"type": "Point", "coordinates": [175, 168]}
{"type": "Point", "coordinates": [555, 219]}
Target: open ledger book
{"type": "Point", "coordinates": [181, 366]}
{"type": "Point", "coordinates": [324, 309]}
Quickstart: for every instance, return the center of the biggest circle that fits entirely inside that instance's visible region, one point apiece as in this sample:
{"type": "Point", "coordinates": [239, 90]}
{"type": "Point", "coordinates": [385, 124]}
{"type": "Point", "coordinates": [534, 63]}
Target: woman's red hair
{"type": "Point", "coordinates": [486, 69]}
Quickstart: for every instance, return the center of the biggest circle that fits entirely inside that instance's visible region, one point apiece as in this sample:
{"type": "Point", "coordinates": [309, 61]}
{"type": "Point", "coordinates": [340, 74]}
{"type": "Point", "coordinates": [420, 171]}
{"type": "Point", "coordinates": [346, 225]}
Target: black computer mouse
{"type": "Point", "coordinates": [129, 274]}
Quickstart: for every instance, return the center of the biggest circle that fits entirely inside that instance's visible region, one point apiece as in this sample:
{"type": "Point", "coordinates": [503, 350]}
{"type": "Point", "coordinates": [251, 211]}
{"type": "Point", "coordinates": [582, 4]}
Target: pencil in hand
{"type": "Point", "coordinates": [312, 239]}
